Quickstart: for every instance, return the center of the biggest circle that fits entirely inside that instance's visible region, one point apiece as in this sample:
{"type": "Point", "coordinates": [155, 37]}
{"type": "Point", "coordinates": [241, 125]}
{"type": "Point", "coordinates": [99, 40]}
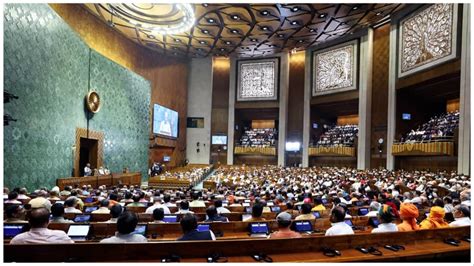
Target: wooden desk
{"type": "Point", "coordinates": [95, 181]}
{"type": "Point", "coordinates": [420, 245]}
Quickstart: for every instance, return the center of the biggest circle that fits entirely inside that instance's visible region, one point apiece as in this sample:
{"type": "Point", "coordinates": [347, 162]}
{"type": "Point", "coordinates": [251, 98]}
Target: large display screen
{"type": "Point", "coordinates": [165, 121]}
{"type": "Point", "coordinates": [219, 140]}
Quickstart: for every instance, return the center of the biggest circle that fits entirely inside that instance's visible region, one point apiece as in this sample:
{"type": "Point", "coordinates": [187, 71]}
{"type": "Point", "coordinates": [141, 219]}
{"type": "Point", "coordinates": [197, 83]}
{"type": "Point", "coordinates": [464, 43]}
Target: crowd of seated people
{"type": "Point", "coordinates": [339, 136]}
{"type": "Point", "coordinates": [438, 127]}
{"type": "Point", "coordinates": [194, 174]}
{"type": "Point", "coordinates": [259, 137]}
{"type": "Point", "coordinates": [401, 200]}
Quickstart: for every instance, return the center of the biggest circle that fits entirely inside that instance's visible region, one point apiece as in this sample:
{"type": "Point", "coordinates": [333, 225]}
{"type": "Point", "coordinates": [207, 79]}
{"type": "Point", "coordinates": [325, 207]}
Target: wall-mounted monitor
{"type": "Point", "coordinates": [166, 158]}
{"type": "Point", "coordinates": [165, 121]}
{"type": "Point", "coordinates": [219, 140]}
{"type": "Point", "coordinates": [315, 125]}
{"type": "Point", "coordinates": [292, 146]}
{"type": "Point", "coordinates": [406, 116]}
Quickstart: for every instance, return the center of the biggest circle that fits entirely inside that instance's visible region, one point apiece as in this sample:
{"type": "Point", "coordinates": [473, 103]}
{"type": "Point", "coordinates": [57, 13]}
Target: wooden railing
{"type": "Point", "coordinates": [271, 151]}
{"type": "Point", "coordinates": [332, 151]}
{"type": "Point", "coordinates": [423, 148]}
{"type": "Point", "coordinates": [95, 181]}
{"type": "Point", "coordinates": [419, 245]}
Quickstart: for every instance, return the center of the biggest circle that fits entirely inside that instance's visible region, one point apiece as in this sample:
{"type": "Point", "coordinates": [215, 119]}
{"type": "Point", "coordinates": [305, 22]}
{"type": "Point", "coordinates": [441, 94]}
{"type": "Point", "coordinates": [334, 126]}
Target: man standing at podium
{"type": "Point", "coordinates": [87, 170]}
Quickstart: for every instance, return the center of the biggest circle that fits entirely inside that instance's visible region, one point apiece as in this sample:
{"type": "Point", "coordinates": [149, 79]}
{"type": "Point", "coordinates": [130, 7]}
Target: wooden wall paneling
{"type": "Point", "coordinates": [168, 76]}
{"type": "Point", "coordinates": [348, 120]}
{"type": "Point", "coordinates": [379, 95]}
{"type": "Point", "coordinates": [452, 105]}
{"type": "Point", "coordinates": [220, 106]}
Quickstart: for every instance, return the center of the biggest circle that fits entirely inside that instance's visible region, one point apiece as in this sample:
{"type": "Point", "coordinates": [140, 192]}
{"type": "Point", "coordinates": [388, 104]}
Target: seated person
{"type": "Point", "coordinates": [71, 204]}
{"type": "Point", "coordinates": [374, 209]}
{"type": "Point", "coordinates": [158, 215]}
{"type": "Point", "coordinates": [462, 216]}
{"type": "Point", "coordinates": [40, 201]}
{"type": "Point", "coordinates": [284, 222]}
{"type": "Point", "coordinates": [13, 198]}
{"type": "Point", "coordinates": [115, 212]}
{"type": "Point", "coordinates": [39, 232]}
{"type": "Point", "coordinates": [189, 226]}
{"type": "Point", "coordinates": [318, 205]}
{"type": "Point", "coordinates": [157, 204]}
{"type": "Point", "coordinates": [15, 214]}
{"type": "Point", "coordinates": [213, 216]}
{"type": "Point", "coordinates": [257, 210]}
{"type": "Point", "coordinates": [220, 209]}
{"type": "Point", "coordinates": [290, 209]}
{"type": "Point", "coordinates": [184, 208]}
{"type": "Point", "coordinates": [339, 227]}
{"type": "Point", "coordinates": [136, 202]}
{"type": "Point", "coordinates": [408, 213]}
{"type": "Point", "coordinates": [113, 199]}
{"type": "Point", "coordinates": [53, 195]}
{"type": "Point", "coordinates": [435, 219]}
{"type": "Point", "coordinates": [386, 217]}
{"type": "Point", "coordinates": [305, 213]}
{"type": "Point", "coordinates": [196, 202]}
{"type": "Point", "coordinates": [104, 207]}
{"type": "Point", "coordinates": [57, 211]}
{"type": "Point", "coordinates": [167, 200]}
{"type": "Point", "coordinates": [126, 224]}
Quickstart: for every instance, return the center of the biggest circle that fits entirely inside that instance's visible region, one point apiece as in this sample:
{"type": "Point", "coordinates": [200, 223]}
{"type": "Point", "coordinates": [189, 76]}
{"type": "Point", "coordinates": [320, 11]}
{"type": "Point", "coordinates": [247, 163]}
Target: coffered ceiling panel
{"type": "Point", "coordinates": [246, 30]}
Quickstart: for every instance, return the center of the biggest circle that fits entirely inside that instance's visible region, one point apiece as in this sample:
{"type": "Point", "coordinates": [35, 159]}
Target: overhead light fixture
{"type": "Point", "coordinates": [254, 40]}
{"type": "Point", "coordinates": [222, 49]}
{"type": "Point", "coordinates": [264, 12]}
{"type": "Point", "coordinates": [151, 36]}
{"type": "Point", "coordinates": [235, 17]}
{"type": "Point", "coordinates": [177, 40]}
{"type": "Point", "coordinates": [294, 22]}
{"type": "Point", "coordinates": [205, 31]}
{"type": "Point", "coordinates": [281, 35]}
{"type": "Point", "coordinates": [228, 42]}
{"type": "Point", "coordinates": [293, 51]}
{"type": "Point", "coordinates": [211, 20]}
{"type": "Point", "coordinates": [295, 9]}
{"type": "Point", "coordinates": [312, 30]}
{"type": "Point", "coordinates": [300, 41]}
{"type": "Point", "coordinates": [234, 31]}
{"type": "Point", "coordinates": [143, 17]}
{"type": "Point", "coordinates": [355, 7]}
{"type": "Point", "coordinates": [202, 42]}
{"type": "Point", "coordinates": [205, 5]}
{"type": "Point", "coordinates": [322, 15]}
{"type": "Point", "coordinates": [379, 14]}
{"type": "Point", "coordinates": [265, 28]}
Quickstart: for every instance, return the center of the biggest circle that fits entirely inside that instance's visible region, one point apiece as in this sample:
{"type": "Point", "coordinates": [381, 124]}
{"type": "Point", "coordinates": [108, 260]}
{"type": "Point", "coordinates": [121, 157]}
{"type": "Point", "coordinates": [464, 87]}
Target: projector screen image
{"type": "Point", "coordinates": [165, 121]}
{"type": "Point", "coordinates": [219, 140]}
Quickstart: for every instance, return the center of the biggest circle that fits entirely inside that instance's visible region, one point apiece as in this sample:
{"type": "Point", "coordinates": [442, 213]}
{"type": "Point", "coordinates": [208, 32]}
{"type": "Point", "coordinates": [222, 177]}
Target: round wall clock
{"type": "Point", "coordinates": [93, 102]}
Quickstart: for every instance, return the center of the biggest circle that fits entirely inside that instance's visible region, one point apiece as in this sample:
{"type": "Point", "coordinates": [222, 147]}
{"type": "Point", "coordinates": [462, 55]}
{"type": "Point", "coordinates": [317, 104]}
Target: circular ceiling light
{"type": "Point", "coordinates": [202, 42]}
{"type": "Point", "coordinates": [295, 9]}
{"type": "Point", "coordinates": [294, 22]}
{"type": "Point", "coordinates": [211, 20]}
{"type": "Point", "coordinates": [235, 17]}
{"type": "Point", "coordinates": [157, 18]}
{"type": "Point", "coordinates": [264, 12]}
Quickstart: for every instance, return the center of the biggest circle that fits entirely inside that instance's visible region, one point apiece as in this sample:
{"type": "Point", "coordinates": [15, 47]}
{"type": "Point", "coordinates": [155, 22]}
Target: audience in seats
{"type": "Point", "coordinates": [408, 213]}
{"type": "Point", "coordinates": [374, 209]}
{"type": "Point", "coordinates": [196, 201]}
{"type": "Point", "coordinates": [305, 213]}
{"type": "Point", "coordinates": [39, 232]}
{"type": "Point", "coordinates": [220, 209]}
{"type": "Point", "coordinates": [15, 214]}
{"type": "Point", "coordinates": [213, 216]}
{"type": "Point", "coordinates": [157, 204]}
{"type": "Point", "coordinates": [70, 205]}
{"type": "Point", "coordinates": [339, 227]}
{"type": "Point", "coordinates": [284, 222]}
{"type": "Point", "coordinates": [190, 232]}
{"type": "Point", "coordinates": [158, 215]}
{"type": "Point", "coordinates": [13, 198]}
{"type": "Point", "coordinates": [257, 211]}
{"type": "Point", "coordinates": [386, 217]}
{"type": "Point", "coordinates": [126, 224]}
{"type": "Point", "coordinates": [438, 127]}
{"type": "Point", "coordinates": [259, 137]}
{"type": "Point", "coordinates": [462, 214]}
{"type": "Point", "coordinates": [40, 201]}
{"type": "Point", "coordinates": [104, 207]}
{"type": "Point", "coordinates": [57, 212]}
{"type": "Point", "coordinates": [339, 136]}
{"type": "Point", "coordinates": [115, 212]}
{"type": "Point", "coordinates": [184, 208]}
{"type": "Point", "coordinates": [435, 219]}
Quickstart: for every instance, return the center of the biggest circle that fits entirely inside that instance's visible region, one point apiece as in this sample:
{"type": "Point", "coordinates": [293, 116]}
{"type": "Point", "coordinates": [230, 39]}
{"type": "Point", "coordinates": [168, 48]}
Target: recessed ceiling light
{"type": "Point", "coordinates": [254, 40]}
{"type": "Point", "coordinates": [295, 9]}
{"type": "Point", "coordinates": [151, 36]}
{"type": "Point", "coordinates": [228, 42]}
{"type": "Point", "coordinates": [300, 41]}
{"type": "Point", "coordinates": [211, 20]}
{"type": "Point", "coordinates": [205, 31]}
{"type": "Point", "coordinates": [355, 7]}
{"type": "Point", "coordinates": [222, 49]}
{"type": "Point", "coordinates": [264, 12]}
{"type": "Point", "coordinates": [177, 40]}
{"type": "Point", "coordinates": [205, 5]}
{"type": "Point", "coordinates": [322, 15]}
{"type": "Point", "coordinates": [281, 35]}
{"type": "Point", "coordinates": [379, 13]}
{"type": "Point", "coordinates": [264, 28]}
{"type": "Point", "coordinates": [202, 42]}
{"type": "Point", "coordinates": [235, 17]}
{"type": "Point", "coordinates": [311, 30]}
{"type": "Point", "coordinates": [294, 22]}
{"type": "Point", "coordinates": [234, 31]}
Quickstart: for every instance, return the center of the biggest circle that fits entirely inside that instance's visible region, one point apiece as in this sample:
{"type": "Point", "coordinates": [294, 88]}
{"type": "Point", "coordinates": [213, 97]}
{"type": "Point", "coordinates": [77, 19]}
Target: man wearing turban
{"type": "Point", "coordinates": [386, 215]}
{"type": "Point", "coordinates": [435, 219]}
{"type": "Point", "coordinates": [408, 213]}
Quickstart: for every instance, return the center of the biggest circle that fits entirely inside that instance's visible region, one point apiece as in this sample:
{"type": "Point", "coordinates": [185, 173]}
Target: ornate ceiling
{"type": "Point", "coordinates": [248, 30]}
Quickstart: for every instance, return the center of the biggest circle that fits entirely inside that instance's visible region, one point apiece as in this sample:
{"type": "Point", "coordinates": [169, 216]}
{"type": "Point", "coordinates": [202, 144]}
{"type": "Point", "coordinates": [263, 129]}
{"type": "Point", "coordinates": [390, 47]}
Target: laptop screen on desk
{"type": "Point", "coordinates": [203, 227]}
{"type": "Point", "coordinates": [11, 230]}
{"type": "Point", "coordinates": [82, 218]}
{"type": "Point", "coordinates": [258, 228]}
{"type": "Point", "coordinates": [140, 229]}
{"type": "Point", "coordinates": [91, 209]}
{"type": "Point", "coordinates": [170, 219]}
{"type": "Point", "coordinates": [303, 226]}
{"type": "Point", "coordinates": [78, 230]}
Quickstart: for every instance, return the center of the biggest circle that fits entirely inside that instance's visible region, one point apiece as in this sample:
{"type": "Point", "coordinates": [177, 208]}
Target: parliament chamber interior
{"type": "Point", "coordinates": [217, 132]}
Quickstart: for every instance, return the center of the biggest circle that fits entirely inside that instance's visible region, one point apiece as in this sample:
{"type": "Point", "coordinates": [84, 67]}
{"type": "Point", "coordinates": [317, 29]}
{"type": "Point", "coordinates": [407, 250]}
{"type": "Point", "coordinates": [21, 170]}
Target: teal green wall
{"type": "Point", "coordinates": [46, 65]}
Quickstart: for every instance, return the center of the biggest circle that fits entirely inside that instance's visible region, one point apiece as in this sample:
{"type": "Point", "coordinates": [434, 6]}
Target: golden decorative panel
{"type": "Point", "coordinates": [427, 38]}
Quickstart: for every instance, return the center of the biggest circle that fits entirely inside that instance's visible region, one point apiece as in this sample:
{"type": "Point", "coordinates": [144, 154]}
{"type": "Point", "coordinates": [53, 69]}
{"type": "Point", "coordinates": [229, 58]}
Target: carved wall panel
{"type": "Point", "coordinates": [257, 79]}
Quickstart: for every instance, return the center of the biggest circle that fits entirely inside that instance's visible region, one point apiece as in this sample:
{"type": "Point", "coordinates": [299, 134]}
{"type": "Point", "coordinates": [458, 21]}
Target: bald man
{"type": "Point", "coordinates": [39, 232]}
{"type": "Point", "coordinates": [339, 227]}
